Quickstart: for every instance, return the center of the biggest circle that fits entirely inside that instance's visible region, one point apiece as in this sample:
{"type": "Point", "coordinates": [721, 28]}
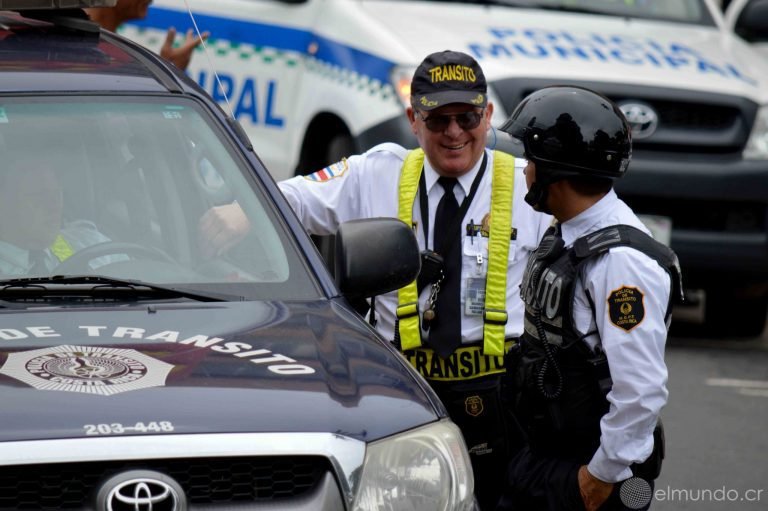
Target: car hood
{"type": "Point", "coordinates": [202, 368]}
{"type": "Point", "coordinates": [515, 42]}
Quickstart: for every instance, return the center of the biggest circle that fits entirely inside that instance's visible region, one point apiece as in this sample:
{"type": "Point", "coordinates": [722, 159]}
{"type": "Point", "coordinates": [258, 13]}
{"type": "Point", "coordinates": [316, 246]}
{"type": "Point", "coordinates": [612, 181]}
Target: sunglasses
{"type": "Point", "coordinates": [439, 123]}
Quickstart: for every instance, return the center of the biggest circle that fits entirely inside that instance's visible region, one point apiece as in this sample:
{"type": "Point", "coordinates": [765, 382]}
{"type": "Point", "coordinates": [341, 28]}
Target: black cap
{"type": "Point", "coordinates": [448, 77]}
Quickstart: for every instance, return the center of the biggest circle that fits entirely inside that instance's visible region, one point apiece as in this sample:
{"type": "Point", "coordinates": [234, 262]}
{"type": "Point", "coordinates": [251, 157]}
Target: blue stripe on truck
{"type": "Point", "coordinates": [273, 36]}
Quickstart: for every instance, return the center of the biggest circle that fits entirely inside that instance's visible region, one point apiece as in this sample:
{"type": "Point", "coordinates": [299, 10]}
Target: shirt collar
{"type": "Point", "coordinates": [585, 221]}
{"type": "Point", "coordinates": [465, 181]}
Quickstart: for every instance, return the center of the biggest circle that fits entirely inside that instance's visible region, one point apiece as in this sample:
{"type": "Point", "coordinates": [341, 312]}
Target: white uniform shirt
{"type": "Point", "coordinates": [367, 186]}
{"type": "Point", "coordinates": [635, 356]}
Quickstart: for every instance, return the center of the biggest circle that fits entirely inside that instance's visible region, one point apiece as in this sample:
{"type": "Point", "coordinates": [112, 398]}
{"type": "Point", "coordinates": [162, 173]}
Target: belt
{"type": "Point", "coordinates": [465, 363]}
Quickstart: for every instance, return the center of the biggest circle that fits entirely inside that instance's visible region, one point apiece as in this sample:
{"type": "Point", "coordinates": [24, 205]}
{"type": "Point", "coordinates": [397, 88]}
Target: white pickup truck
{"type": "Point", "coordinates": [313, 80]}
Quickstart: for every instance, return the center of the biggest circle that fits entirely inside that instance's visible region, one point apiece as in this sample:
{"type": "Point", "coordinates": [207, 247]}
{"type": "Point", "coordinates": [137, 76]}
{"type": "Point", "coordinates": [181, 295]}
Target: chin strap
{"type": "Point", "coordinates": [537, 197]}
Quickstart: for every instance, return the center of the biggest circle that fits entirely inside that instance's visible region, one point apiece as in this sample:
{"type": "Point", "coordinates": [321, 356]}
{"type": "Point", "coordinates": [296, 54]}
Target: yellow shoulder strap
{"type": "Point", "coordinates": [61, 248]}
{"type": "Point", "coordinates": [408, 296]}
{"type": "Point", "coordinates": [495, 314]}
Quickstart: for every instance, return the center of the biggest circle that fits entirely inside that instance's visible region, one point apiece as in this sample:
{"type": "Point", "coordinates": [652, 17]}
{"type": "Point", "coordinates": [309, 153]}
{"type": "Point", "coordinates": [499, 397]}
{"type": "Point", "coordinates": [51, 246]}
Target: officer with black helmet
{"type": "Point", "coordinates": [589, 374]}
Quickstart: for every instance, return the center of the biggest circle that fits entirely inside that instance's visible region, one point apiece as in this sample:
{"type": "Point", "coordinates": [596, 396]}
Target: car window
{"type": "Point", "coordinates": [146, 188]}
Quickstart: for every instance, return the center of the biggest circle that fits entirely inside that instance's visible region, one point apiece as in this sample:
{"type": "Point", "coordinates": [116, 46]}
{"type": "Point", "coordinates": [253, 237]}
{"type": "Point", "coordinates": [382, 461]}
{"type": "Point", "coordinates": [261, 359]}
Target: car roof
{"type": "Point", "coordinates": [63, 51]}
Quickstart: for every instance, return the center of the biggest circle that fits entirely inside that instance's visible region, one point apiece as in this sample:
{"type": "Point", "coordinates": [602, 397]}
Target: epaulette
{"type": "Point", "coordinates": [389, 147]}
{"type": "Point", "coordinates": [602, 240]}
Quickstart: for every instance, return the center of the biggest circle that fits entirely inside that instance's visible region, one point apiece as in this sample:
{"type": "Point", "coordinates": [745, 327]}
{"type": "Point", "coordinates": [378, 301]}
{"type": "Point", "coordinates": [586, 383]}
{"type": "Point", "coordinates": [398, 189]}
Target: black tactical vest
{"type": "Point", "coordinates": [560, 382]}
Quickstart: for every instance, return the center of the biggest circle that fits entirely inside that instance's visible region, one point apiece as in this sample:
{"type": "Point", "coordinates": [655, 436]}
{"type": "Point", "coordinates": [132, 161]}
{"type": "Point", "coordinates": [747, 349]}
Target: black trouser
{"type": "Point", "coordinates": [477, 408]}
{"type": "Point", "coordinates": [538, 483]}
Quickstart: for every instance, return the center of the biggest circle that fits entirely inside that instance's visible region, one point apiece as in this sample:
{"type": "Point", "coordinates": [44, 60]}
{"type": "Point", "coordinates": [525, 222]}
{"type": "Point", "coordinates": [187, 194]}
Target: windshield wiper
{"type": "Point", "coordinates": [8, 305]}
{"type": "Point", "coordinates": [98, 286]}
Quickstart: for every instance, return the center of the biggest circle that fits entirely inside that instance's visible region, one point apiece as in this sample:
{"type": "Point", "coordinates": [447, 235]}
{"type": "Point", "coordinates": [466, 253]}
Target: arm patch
{"type": "Point", "coordinates": [625, 307]}
{"type": "Point", "coordinates": [330, 172]}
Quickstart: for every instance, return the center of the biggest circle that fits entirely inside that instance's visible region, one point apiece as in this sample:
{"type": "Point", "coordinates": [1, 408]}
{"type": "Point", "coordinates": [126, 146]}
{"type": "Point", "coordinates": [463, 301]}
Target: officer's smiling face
{"type": "Point", "coordinates": [453, 151]}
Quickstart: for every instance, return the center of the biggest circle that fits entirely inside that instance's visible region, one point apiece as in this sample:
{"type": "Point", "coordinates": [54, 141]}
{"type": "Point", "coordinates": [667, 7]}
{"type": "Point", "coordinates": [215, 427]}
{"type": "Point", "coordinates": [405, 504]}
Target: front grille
{"type": "Point", "coordinates": [732, 217]}
{"type": "Point", "coordinates": [690, 121]}
{"type": "Point", "coordinates": [205, 481]}
{"type": "Point", "coordinates": [692, 116]}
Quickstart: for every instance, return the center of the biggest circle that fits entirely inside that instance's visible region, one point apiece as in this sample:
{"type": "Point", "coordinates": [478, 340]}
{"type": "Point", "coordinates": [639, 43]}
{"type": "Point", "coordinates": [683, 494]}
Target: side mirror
{"type": "Point", "coordinates": [375, 256]}
{"type": "Point", "coordinates": [751, 23]}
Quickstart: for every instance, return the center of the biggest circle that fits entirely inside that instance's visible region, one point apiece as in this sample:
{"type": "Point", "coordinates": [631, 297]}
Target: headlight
{"type": "Point", "coordinates": [757, 146]}
{"type": "Point", "coordinates": [499, 116]}
{"type": "Point", "coordinates": [401, 81]}
{"type": "Point", "coordinates": [426, 469]}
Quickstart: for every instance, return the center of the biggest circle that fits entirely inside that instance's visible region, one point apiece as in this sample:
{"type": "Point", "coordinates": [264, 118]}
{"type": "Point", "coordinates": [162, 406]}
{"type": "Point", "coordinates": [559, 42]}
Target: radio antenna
{"type": "Point", "coordinates": [208, 58]}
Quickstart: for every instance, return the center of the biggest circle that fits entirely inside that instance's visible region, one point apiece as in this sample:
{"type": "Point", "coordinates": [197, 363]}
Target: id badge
{"type": "Point", "coordinates": [474, 297]}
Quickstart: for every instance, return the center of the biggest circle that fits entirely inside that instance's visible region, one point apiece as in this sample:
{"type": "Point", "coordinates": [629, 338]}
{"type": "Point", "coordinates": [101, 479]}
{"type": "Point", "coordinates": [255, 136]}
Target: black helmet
{"type": "Point", "coordinates": [571, 131]}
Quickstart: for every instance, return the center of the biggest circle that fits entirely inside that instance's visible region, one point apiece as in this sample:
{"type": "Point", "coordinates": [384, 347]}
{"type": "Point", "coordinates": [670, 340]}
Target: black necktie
{"type": "Point", "coordinates": [445, 329]}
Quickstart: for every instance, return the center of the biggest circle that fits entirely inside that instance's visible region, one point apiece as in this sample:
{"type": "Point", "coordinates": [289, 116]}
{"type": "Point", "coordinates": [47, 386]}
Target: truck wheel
{"type": "Point", "coordinates": [729, 315]}
{"type": "Point", "coordinates": [326, 246]}
{"type": "Point", "coordinates": [340, 146]}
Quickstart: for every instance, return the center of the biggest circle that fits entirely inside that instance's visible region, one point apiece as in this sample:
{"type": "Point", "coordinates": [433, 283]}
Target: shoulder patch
{"type": "Point", "coordinates": [625, 307]}
{"type": "Point", "coordinates": [329, 172]}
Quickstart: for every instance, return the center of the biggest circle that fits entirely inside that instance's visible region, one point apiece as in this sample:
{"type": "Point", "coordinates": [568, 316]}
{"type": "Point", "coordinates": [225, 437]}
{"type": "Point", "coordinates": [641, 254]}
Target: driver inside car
{"type": "Point", "coordinates": [35, 239]}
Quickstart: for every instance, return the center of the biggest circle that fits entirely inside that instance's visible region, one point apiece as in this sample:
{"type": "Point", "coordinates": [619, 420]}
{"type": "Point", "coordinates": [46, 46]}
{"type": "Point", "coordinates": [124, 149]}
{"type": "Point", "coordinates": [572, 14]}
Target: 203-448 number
{"type": "Point", "coordinates": [120, 429]}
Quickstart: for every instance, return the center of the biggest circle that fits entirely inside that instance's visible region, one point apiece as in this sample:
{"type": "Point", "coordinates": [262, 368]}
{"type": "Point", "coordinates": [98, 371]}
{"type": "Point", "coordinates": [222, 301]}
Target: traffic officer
{"type": "Point", "coordinates": [33, 238]}
{"type": "Point", "coordinates": [589, 376]}
{"type": "Point", "coordinates": [465, 203]}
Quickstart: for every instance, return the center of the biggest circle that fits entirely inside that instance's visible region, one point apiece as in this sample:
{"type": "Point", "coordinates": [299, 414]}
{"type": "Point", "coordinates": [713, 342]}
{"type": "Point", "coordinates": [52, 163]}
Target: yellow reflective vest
{"type": "Point", "coordinates": [495, 313]}
{"type": "Point", "coordinates": [61, 248]}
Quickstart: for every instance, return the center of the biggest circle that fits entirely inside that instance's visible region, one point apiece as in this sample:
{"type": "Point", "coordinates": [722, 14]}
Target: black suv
{"type": "Point", "coordinates": [169, 336]}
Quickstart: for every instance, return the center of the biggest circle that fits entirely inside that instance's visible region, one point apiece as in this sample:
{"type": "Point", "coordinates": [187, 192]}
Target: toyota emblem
{"type": "Point", "coordinates": [642, 119]}
{"type": "Point", "coordinates": [141, 490]}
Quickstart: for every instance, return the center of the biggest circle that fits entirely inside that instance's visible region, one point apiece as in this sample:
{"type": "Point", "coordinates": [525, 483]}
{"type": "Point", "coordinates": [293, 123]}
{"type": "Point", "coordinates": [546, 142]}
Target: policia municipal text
{"type": "Point", "coordinates": [589, 373]}
{"type": "Point", "coordinates": [466, 206]}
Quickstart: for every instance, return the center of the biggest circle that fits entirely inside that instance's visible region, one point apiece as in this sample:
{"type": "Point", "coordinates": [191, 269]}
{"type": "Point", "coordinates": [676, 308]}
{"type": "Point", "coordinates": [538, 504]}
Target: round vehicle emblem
{"type": "Point", "coordinates": [642, 119]}
{"type": "Point", "coordinates": [86, 365]}
{"type": "Point", "coordinates": [86, 369]}
{"type": "Point", "coordinates": [141, 490]}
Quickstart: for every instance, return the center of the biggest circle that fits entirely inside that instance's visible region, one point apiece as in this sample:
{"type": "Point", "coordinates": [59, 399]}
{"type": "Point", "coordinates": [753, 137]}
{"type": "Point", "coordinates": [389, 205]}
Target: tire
{"type": "Point", "coordinates": [326, 246]}
{"type": "Point", "coordinates": [340, 146]}
{"type": "Point", "coordinates": [727, 314]}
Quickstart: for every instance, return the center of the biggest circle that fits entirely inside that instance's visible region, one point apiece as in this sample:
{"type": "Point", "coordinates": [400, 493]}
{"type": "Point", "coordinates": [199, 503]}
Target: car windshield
{"type": "Point", "coordinates": [143, 188]}
{"type": "Point", "coordinates": [685, 11]}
